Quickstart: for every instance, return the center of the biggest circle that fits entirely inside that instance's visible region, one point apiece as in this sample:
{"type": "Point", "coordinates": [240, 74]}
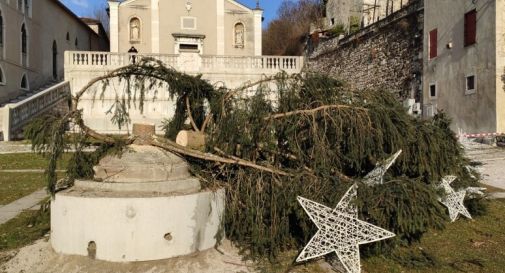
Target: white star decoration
{"type": "Point", "coordinates": [453, 200]}
{"type": "Point", "coordinates": [340, 230]}
{"type": "Point", "coordinates": [376, 177]}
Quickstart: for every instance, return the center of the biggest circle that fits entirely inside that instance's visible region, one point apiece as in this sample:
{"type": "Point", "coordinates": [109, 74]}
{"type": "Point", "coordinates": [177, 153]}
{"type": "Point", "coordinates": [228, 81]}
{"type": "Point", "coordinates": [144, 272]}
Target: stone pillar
{"type": "Point", "coordinates": [258, 42]}
{"type": "Point", "coordinates": [5, 122]}
{"type": "Point", "coordinates": [114, 25]}
{"type": "Point", "coordinates": [155, 26]}
{"type": "Point", "coordinates": [220, 27]}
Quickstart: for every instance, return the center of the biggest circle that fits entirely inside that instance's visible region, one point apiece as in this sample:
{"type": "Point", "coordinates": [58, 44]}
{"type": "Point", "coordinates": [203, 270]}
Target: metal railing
{"type": "Point", "coordinates": [16, 115]}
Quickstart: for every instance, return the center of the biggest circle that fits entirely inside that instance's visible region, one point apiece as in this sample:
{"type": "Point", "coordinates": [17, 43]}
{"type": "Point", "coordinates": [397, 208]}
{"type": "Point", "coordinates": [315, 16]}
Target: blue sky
{"type": "Point", "coordinates": [86, 7]}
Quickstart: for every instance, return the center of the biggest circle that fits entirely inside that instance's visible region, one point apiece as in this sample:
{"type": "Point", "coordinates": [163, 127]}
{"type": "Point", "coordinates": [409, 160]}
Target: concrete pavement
{"type": "Point", "coordinates": [12, 210]}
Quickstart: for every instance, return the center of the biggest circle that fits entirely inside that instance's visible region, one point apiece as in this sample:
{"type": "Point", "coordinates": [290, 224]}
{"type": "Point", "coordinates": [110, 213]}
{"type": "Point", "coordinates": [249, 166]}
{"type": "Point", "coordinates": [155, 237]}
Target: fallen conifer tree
{"type": "Point", "coordinates": [310, 135]}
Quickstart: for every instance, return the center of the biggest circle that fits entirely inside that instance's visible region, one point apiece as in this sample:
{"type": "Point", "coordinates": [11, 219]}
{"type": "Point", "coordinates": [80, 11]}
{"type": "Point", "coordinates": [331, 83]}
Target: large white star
{"type": "Point", "coordinates": [339, 230]}
{"type": "Point", "coordinates": [376, 176]}
{"type": "Point", "coordinates": [453, 200]}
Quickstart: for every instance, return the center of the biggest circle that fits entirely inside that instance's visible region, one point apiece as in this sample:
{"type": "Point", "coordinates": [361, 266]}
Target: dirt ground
{"type": "Point", "coordinates": [40, 258]}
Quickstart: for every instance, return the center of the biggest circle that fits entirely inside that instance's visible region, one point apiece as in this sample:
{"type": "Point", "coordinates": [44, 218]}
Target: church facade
{"type": "Point", "coordinates": [207, 27]}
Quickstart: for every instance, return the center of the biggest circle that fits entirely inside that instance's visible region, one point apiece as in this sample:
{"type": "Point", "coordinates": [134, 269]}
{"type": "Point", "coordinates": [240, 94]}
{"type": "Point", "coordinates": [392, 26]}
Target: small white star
{"type": "Point", "coordinates": [340, 230]}
{"type": "Point", "coordinates": [376, 177]}
{"type": "Point", "coordinates": [453, 200]}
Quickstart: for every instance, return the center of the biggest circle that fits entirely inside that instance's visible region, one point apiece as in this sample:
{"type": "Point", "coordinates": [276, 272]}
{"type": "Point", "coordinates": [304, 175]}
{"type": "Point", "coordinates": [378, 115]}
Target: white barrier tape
{"type": "Point", "coordinates": [481, 135]}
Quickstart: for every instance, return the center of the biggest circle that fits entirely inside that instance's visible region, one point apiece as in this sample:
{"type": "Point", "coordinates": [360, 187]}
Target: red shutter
{"type": "Point", "coordinates": [470, 28]}
{"type": "Point", "coordinates": [433, 43]}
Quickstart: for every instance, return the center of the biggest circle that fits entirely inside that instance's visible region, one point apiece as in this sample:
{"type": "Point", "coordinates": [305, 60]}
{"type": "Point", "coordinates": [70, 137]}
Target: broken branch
{"type": "Point", "coordinates": [176, 148]}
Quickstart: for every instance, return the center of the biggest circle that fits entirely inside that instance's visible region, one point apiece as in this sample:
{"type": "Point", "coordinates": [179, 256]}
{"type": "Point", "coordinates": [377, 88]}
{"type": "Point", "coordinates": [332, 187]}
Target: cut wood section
{"type": "Point", "coordinates": [191, 139]}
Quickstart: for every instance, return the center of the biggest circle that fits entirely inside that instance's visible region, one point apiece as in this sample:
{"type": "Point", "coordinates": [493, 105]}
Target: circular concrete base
{"type": "Point", "coordinates": [125, 228]}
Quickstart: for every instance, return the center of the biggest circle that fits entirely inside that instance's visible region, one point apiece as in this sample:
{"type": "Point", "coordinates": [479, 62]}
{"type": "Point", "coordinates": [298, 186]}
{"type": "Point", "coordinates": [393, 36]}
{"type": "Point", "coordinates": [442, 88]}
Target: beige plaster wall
{"type": "Point", "coordinates": [141, 10]}
{"type": "Point", "coordinates": [472, 113]}
{"type": "Point", "coordinates": [500, 65]}
{"type": "Point", "coordinates": [234, 14]}
{"type": "Point", "coordinates": [206, 22]}
{"type": "Point", "coordinates": [48, 23]}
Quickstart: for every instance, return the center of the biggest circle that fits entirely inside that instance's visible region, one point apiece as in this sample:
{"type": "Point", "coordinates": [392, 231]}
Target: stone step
{"type": "Point", "coordinates": [30, 93]}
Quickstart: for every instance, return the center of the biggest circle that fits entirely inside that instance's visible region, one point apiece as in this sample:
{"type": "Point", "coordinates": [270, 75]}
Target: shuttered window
{"type": "Point", "coordinates": [470, 28]}
{"type": "Point", "coordinates": [433, 43]}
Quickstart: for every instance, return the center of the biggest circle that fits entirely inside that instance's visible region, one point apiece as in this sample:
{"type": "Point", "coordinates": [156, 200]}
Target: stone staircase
{"type": "Point", "coordinates": [29, 94]}
{"type": "Point", "coordinates": [17, 112]}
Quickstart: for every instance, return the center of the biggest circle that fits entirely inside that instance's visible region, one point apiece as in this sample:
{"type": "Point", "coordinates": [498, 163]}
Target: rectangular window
{"type": "Point", "coordinates": [470, 28]}
{"type": "Point", "coordinates": [433, 43]}
{"type": "Point", "coordinates": [433, 90]}
{"type": "Point", "coordinates": [471, 84]}
{"type": "Point", "coordinates": [188, 47]}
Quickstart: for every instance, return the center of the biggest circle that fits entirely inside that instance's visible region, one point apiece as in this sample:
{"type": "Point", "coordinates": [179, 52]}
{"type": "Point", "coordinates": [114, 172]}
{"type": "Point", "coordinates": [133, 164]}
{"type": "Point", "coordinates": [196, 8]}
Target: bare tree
{"type": "Point", "coordinates": [287, 34]}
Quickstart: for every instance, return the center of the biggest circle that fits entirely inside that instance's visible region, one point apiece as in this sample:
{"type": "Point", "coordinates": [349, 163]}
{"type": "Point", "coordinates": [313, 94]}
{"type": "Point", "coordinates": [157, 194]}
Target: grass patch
{"type": "Point", "coordinates": [474, 246]}
{"type": "Point", "coordinates": [464, 246]}
{"type": "Point", "coordinates": [28, 161]}
{"type": "Point", "coordinates": [28, 227]}
{"type": "Point", "coordinates": [16, 185]}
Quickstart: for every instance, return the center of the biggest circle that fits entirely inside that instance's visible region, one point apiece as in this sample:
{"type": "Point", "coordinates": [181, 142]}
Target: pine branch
{"type": "Point", "coordinates": [176, 148]}
{"type": "Point", "coordinates": [315, 110]}
{"type": "Point", "coordinates": [190, 116]}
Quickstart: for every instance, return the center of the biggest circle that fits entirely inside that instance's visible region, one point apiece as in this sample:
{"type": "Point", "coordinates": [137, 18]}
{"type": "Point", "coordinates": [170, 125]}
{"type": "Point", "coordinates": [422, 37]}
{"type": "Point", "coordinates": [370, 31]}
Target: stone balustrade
{"type": "Point", "coordinates": [16, 115]}
{"type": "Point", "coordinates": [186, 62]}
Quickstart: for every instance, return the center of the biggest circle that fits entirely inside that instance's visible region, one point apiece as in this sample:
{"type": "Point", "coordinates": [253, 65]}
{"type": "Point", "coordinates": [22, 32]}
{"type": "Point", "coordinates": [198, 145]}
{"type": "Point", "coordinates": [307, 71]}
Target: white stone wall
{"type": "Point", "coordinates": [230, 71]}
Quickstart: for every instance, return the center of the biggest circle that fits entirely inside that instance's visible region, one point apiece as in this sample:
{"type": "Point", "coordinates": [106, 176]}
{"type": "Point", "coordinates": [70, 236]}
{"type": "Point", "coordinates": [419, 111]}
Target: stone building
{"type": "Point", "coordinates": [361, 12]}
{"type": "Point", "coordinates": [33, 37]}
{"type": "Point", "coordinates": [343, 12]}
{"type": "Point", "coordinates": [464, 62]}
{"type": "Point", "coordinates": [207, 27]}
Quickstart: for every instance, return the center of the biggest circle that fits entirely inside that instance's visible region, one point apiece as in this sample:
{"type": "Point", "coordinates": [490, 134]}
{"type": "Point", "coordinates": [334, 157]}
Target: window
{"type": "Point", "coordinates": [188, 23]}
{"type": "Point", "coordinates": [188, 47]}
{"type": "Point", "coordinates": [55, 60]}
{"type": "Point", "coordinates": [470, 28]}
{"type": "Point", "coordinates": [24, 82]}
{"type": "Point", "coordinates": [24, 46]}
{"type": "Point", "coordinates": [433, 44]}
{"type": "Point", "coordinates": [471, 84]}
{"type": "Point", "coordinates": [433, 90]}
{"type": "Point", "coordinates": [68, 37]}
{"type": "Point", "coordinates": [27, 7]}
{"type": "Point", "coordinates": [1, 30]}
{"type": "Point", "coordinates": [76, 43]}
{"type": "Point", "coordinates": [239, 32]}
{"type": "Point", "coordinates": [2, 76]}
{"type": "Point", "coordinates": [135, 29]}
{"type": "Point", "coordinates": [332, 21]}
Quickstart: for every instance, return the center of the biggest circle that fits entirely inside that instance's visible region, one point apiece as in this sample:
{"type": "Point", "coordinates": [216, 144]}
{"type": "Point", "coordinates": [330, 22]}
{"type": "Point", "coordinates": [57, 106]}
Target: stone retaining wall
{"type": "Point", "coordinates": [386, 55]}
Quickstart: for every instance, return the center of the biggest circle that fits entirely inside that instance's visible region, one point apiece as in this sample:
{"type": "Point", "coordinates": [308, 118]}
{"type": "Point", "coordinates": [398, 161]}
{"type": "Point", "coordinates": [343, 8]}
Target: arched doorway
{"type": "Point", "coordinates": [55, 60]}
